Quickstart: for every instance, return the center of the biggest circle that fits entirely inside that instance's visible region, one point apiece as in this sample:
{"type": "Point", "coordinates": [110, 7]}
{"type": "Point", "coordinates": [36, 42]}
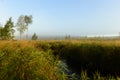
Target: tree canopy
{"type": "Point", "coordinates": [22, 24]}
{"type": "Point", "coordinates": [27, 20]}
{"type": "Point", "coordinates": [7, 32]}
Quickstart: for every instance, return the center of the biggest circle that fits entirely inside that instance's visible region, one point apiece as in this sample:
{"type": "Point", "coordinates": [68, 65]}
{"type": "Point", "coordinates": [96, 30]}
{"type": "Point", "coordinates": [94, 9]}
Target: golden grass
{"type": "Point", "coordinates": [29, 43]}
{"type": "Point", "coordinates": [32, 45]}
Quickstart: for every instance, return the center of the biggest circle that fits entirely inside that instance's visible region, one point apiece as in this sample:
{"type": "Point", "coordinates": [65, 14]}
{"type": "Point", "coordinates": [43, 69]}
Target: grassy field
{"type": "Point", "coordinates": [86, 59]}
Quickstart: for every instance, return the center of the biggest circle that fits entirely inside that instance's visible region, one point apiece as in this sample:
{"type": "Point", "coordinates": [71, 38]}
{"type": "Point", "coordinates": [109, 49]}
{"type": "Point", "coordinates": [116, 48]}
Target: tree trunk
{"type": "Point", "coordinates": [20, 35]}
{"type": "Point", "coordinates": [27, 35]}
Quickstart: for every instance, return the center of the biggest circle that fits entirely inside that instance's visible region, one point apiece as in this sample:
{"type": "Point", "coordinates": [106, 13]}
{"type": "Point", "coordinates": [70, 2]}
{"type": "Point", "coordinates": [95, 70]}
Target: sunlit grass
{"type": "Point", "coordinates": [42, 60]}
{"type": "Point", "coordinates": [28, 64]}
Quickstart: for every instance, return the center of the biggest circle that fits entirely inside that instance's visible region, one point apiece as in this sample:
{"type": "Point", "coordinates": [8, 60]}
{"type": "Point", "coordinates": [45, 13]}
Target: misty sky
{"type": "Point", "coordinates": [61, 17]}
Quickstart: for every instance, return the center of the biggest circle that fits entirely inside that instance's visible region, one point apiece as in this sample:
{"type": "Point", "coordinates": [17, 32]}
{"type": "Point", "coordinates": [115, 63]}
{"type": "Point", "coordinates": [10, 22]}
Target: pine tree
{"type": "Point", "coordinates": [8, 29]}
{"type": "Point", "coordinates": [34, 37]}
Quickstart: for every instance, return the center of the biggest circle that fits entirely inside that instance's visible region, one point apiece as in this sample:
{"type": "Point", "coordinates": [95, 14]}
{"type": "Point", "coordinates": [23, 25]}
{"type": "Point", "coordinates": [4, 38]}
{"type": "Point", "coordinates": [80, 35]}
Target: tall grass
{"type": "Point", "coordinates": [28, 64]}
{"type": "Point", "coordinates": [58, 60]}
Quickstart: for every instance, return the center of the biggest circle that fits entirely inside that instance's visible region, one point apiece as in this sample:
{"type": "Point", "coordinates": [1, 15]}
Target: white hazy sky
{"type": "Point", "coordinates": [61, 17]}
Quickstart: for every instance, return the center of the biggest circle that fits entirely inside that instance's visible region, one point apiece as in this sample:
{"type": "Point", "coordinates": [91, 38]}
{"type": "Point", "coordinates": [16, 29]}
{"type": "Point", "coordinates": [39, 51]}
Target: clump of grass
{"type": "Point", "coordinates": [96, 76]}
{"type": "Point", "coordinates": [28, 64]}
{"type": "Point", "coordinates": [84, 75]}
{"type": "Point", "coordinates": [110, 78]}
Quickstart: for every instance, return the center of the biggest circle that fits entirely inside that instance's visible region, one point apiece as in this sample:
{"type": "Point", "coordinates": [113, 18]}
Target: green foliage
{"type": "Point", "coordinates": [28, 20]}
{"type": "Point", "coordinates": [109, 77]}
{"type": "Point", "coordinates": [42, 46]}
{"type": "Point", "coordinates": [29, 64]}
{"type": "Point", "coordinates": [21, 27]}
{"type": "Point", "coordinates": [34, 37]}
{"type": "Point", "coordinates": [96, 76]}
{"type": "Point", "coordinates": [56, 60]}
{"type": "Point", "coordinates": [1, 29]}
{"type": "Point", "coordinates": [22, 24]}
{"type": "Point", "coordinates": [84, 75]}
{"type": "Point", "coordinates": [7, 32]}
{"type": "Point", "coordinates": [92, 57]}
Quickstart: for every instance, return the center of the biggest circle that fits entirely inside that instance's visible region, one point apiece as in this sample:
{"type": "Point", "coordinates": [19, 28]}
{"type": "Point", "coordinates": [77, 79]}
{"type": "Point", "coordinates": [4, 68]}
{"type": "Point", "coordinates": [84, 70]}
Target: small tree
{"type": "Point", "coordinates": [34, 37]}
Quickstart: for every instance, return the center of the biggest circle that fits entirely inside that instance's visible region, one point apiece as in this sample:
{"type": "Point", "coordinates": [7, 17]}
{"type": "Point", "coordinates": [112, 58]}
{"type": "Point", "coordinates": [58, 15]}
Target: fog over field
{"type": "Point", "coordinates": [58, 18]}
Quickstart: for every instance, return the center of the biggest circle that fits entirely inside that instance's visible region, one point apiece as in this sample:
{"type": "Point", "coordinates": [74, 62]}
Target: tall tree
{"type": "Point", "coordinates": [21, 26]}
{"type": "Point", "coordinates": [9, 27]}
{"type": "Point", "coordinates": [28, 20]}
{"type": "Point", "coordinates": [7, 32]}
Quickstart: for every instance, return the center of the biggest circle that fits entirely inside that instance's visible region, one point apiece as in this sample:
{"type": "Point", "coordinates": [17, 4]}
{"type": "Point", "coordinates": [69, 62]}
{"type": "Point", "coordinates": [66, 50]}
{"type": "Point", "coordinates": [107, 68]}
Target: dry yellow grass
{"type": "Point", "coordinates": [29, 43]}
